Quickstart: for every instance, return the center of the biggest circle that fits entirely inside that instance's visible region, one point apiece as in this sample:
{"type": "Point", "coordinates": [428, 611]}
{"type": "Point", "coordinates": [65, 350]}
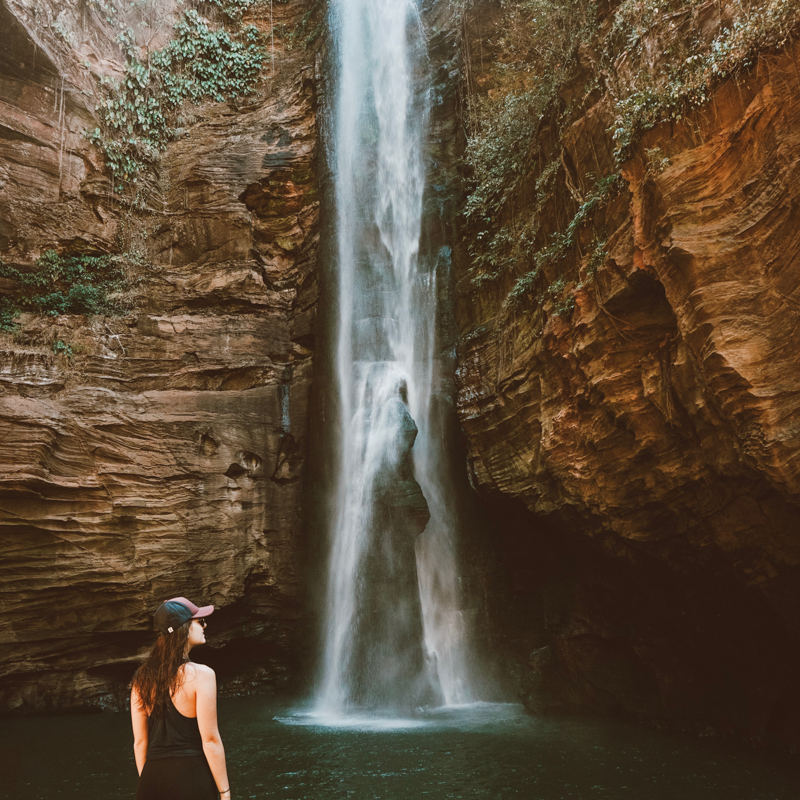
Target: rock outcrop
{"type": "Point", "coordinates": [640, 454]}
{"type": "Point", "coordinates": [163, 454]}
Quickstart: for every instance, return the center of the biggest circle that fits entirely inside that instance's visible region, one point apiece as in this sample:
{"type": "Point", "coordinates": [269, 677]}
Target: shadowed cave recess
{"type": "Point", "coordinates": [620, 418]}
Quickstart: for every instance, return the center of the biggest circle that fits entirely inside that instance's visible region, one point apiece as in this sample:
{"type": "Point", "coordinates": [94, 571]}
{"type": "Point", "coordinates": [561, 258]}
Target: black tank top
{"type": "Point", "coordinates": [172, 734]}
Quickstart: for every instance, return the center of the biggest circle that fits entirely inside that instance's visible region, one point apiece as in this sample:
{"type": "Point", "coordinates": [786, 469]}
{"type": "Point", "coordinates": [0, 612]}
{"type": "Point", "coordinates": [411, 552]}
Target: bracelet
{"type": "Point", "coordinates": [225, 791]}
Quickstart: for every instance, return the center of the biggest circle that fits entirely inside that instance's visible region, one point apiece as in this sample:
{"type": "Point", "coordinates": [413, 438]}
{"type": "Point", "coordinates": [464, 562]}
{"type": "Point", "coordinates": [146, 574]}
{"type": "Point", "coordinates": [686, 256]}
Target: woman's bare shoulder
{"type": "Point", "coordinates": [198, 671]}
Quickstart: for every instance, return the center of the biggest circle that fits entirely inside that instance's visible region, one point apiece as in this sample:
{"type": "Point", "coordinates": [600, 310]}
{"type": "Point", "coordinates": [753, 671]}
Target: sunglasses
{"type": "Point", "coordinates": [202, 622]}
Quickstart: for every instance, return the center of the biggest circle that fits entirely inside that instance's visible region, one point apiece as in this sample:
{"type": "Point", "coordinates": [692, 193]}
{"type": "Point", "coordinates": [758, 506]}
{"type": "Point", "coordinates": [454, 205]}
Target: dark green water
{"type": "Point", "coordinates": [492, 752]}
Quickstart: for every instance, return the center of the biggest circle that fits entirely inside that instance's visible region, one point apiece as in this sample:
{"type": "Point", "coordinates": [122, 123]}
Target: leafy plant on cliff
{"type": "Point", "coordinates": [537, 40]}
{"type": "Point", "coordinates": [597, 257]}
{"type": "Point", "coordinates": [657, 162]}
{"type": "Point", "coordinates": [107, 7]}
{"type": "Point", "coordinates": [235, 9]}
{"type": "Point", "coordinates": [512, 245]}
{"type": "Point", "coordinates": [308, 30]}
{"type": "Point", "coordinates": [65, 285]}
{"type": "Point", "coordinates": [9, 312]}
{"type": "Point", "coordinates": [693, 63]}
{"type": "Point", "coordinates": [561, 243]}
{"type": "Point", "coordinates": [62, 348]}
{"type": "Point", "coordinates": [499, 152]}
{"type": "Point", "coordinates": [550, 59]}
{"type": "Point", "coordinates": [200, 62]}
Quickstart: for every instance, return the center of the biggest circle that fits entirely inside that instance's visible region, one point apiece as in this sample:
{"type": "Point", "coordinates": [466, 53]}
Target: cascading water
{"type": "Point", "coordinates": [393, 636]}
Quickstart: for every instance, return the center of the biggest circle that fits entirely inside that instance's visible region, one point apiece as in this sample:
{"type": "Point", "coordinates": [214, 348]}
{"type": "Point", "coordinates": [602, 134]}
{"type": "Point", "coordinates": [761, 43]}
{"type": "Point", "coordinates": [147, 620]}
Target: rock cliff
{"type": "Point", "coordinates": [636, 431]}
{"type": "Point", "coordinates": [631, 433]}
{"type": "Point", "coordinates": [158, 452]}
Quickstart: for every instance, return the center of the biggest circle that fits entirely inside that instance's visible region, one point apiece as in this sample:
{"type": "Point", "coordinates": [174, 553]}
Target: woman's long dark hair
{"type": "Point", "coordinates": [160, 676]}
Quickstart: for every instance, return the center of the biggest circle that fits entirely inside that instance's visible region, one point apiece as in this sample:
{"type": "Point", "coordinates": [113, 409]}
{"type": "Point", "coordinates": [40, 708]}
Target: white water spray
{"type": "Point", "coordinates": [394, 637]}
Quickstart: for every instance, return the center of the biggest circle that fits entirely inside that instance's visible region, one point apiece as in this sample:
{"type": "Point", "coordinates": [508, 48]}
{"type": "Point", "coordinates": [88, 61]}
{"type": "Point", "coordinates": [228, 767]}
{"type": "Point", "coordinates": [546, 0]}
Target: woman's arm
{"type": "Point", "coordinates": [140, 731]}
{"type": "Point", "coordinates": [207, 722]}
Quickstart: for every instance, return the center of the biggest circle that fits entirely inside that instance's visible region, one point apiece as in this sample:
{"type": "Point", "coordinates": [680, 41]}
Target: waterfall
{"type": "Point", "coordinates": [393, 634]}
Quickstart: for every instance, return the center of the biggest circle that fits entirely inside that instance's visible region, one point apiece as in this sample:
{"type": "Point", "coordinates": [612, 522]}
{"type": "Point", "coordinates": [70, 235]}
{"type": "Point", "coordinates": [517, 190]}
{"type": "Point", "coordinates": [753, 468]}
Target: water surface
{"type": "Point", "coordinates": [488, 752]}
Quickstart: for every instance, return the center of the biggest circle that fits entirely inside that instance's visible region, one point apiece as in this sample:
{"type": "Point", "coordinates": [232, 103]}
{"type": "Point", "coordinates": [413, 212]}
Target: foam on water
{"type": "Point", "coordinates": [353, 722]}
{"type": "Point", "coordinates": [457, 717]}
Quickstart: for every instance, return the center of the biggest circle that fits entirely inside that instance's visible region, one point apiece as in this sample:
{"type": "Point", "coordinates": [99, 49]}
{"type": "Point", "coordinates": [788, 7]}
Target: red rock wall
{"type": "Point", "coordinates": [641, 454]}
{"type": "Point", "coordinates": [637, 461]}
{"type": "Point", "coordinates": [166, 457]}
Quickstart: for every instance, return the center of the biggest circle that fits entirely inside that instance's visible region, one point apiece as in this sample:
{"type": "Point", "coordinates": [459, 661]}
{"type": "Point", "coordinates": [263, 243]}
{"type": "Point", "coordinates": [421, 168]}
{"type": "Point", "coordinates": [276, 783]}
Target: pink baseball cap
{"type": "Point", "coordinates": [173, 613]}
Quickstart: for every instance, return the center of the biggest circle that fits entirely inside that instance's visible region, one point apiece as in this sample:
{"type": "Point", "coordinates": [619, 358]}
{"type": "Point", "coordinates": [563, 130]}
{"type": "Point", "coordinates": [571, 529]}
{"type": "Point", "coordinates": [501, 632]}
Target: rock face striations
{"type": "Point", "coordinates": [641, 450]}
{"type": "Point", "coordinates": [160, 453]}
{"type": "Point", "coordinates": [632, 433]}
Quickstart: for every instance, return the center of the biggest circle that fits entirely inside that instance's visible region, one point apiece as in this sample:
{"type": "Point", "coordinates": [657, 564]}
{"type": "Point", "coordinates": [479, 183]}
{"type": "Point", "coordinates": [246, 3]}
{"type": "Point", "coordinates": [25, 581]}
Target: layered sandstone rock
{"type": "Point", "coordinates": [641, 453]}
{"type": "Point", "coordinates": [637, 459]}
{"type": "Point", "coordinates": [165, 456]}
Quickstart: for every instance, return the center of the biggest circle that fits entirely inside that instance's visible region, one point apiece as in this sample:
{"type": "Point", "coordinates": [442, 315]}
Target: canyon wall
{"type": "Point", "coordinates": [631, 438]}
{"type": "Point", "coordinates": [160, 451]}
{"type": "Point", "coordinates": [638, 446]}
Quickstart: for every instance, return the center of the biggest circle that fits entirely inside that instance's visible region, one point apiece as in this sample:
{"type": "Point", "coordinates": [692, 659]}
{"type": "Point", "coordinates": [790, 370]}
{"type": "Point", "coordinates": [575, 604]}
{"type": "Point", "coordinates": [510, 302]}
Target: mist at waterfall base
{"type": "Point", "coordinates": [486, 754]}
{"type": "Point", "coordinates": [394, 635]}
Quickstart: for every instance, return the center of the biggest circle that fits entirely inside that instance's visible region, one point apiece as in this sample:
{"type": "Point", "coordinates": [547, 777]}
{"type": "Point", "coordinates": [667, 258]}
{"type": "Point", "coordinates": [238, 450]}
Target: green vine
{"type": "Point", "coordinates": [597, 257]}
{"type": "Point", "coordinates": [199, 63]}
{"type": "Point", "coordinates": [62, 348]}
{"type": "Point", "coordinates": [64, 285]}
{"type": "Point", "coordinates": [550, 60]}
{"type": "Point", "coordinates": [107, 7]}
{"type": "Point", "coordinates": [9, 311]}
{"type": "Point", "coordinates": [562, 242]}
{"type": "Point", "coordinates": [309, 29]}
{"type": "Point", "coordinates": [687, 77]}
{"type": "Point", "coordinates": [234, 10]}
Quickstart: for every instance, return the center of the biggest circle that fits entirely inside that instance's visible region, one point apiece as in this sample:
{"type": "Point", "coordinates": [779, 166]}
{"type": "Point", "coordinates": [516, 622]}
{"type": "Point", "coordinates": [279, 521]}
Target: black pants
{"type": "Point", "coordinates": [181, 778]}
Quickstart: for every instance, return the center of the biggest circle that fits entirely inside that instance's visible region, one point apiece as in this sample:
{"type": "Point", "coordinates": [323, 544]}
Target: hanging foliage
{"type": "Point", "coordinates": [200, 62]}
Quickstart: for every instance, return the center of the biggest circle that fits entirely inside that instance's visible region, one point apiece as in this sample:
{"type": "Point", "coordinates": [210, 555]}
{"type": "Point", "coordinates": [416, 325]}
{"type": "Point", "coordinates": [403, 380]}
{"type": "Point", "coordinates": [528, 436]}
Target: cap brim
{"type": "Point", "coordinates": [202, 612]}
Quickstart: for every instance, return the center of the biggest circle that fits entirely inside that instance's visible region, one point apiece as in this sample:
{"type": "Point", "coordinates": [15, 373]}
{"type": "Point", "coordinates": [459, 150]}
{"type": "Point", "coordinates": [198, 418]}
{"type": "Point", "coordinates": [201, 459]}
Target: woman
{"type": "Point", "coordinates": [176, 742]}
